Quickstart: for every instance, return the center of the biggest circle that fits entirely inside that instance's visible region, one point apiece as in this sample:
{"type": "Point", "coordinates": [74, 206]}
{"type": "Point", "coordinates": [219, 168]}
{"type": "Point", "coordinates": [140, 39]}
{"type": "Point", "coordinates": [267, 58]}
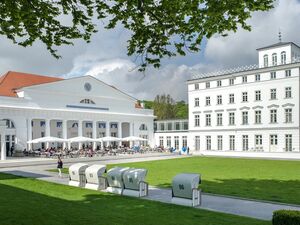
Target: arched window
{"type": "Point", "coordinates": [143, 127]}
{"type": "Point", "coordinates": [283, 57]}
{"type": "Point", "coordinates": [9, 123]}
{"type": "Point", "coordinates": [266, 63]}
{"type": "Point", "coordinates": [274, 59]}
{"type": "Point", "coordinates": [87, 101]}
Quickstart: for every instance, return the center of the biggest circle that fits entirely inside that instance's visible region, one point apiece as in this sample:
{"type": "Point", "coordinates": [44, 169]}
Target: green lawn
{"type": "Point", "coordinates": [32, 202]}
{"type": "Point", "coordinates": [274, 180]}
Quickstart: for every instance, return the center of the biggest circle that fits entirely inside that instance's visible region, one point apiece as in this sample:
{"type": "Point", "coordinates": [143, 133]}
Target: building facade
{"type": "Point", "coordinates": [33, 106]}
{"type": "Point", "coordinates": [249, 109]}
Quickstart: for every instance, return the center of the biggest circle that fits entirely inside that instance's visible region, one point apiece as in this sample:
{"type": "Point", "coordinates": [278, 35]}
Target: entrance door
{"type": "Point", "coordinates": [7, 140]}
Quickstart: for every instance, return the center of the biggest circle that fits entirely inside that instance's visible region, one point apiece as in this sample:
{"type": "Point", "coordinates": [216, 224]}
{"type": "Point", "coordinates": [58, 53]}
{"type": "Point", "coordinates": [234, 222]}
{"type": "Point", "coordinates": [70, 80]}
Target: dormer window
{"type": "Point", "coordinates": [87, 101]}
{"type": "Point", "coordinates": [274, 59]}
{"type": "Point", "coordinates": [266, 63]}
{"type": "Point", "coordinates": [283, 57]}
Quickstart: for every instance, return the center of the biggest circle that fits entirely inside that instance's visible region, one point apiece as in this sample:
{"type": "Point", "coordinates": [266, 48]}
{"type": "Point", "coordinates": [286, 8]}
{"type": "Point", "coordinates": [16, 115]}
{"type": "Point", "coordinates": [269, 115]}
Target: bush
{"type": "Point", "coordinates": [286, 217]}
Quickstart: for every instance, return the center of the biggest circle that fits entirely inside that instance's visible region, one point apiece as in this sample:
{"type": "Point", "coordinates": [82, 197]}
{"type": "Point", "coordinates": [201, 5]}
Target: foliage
{"type": "Point", "coordinates": [165, 107]}
{"type": "Point", "coordinates": [28, 201]}
{"type": "Point", "coordinates": [159, 29]}
{"type": "Point", "coordinates": [182, 110]}
{"type": "Point", "coordinates": [286, 217]}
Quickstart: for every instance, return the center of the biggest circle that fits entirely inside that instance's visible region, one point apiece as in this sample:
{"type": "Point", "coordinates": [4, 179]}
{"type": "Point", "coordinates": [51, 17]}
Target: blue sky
{"type": "Point", "coordinates": [105, 57]}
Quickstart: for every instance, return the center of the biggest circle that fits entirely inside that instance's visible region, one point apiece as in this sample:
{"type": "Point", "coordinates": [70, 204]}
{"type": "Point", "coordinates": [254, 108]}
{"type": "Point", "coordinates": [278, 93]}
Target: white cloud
{"type": "Point", "coordinates": [105, 57]}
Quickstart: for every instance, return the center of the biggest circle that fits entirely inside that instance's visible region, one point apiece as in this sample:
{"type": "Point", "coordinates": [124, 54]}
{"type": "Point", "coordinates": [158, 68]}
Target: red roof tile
{"type": "Point", "coordinates": [11, 81]}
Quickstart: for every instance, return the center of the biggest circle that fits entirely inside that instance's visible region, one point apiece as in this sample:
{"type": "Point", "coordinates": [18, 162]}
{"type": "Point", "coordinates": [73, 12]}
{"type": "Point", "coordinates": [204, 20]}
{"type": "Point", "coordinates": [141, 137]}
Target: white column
{"type": "Point", "coordinates": [107, 132]}
{"type": "Point", "coordinates": [47, 130]}
{"type": "Point", "coordinates": [65, 132]}
{"type": "Point", "coordinates": [29, 133]}
{"type": "Point", "coordinates": [2, 147]}
{"type": "Point", "coordinates": [80, 132]}
{"type": "Point", "coordinates": [94, 134]}
{"type": "Point", "coordinates": [120, 132]}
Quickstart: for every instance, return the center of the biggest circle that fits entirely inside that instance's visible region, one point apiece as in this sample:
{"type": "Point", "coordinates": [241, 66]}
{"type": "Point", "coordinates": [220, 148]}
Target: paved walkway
{"type": "Point", "coordinates": [242, 207]}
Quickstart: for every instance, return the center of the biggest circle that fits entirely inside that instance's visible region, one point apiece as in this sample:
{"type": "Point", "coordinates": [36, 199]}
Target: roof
{"type": "Point", "coordinates": [12, 80]}
{"type": "Point", "coordinates": [278, 44]}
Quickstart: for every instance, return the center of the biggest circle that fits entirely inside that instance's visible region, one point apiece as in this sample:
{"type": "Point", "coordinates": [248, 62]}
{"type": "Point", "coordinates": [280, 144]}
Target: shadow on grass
{"type": "Point", "coordinates": [28, 201]}
{"type": "Point", "coordinates": [270, 190]}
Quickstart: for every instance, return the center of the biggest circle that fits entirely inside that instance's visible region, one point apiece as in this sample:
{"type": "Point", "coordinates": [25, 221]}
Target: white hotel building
{"type": "Point", "coordinates": [34, 106]}
{"type": "Point", "coordinates": [247, 109]}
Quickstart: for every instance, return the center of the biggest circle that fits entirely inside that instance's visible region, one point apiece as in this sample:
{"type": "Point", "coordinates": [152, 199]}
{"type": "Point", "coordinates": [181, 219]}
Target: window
{"type": "Point", "coordinates": [207, 100]}
{"type": "Point", "coordinates": [196, 102]}
{"type": "Point", "coordinates": [177, 126]}
{"type": "Point", "coordinates": [219, 119]}
{"type": "Point", "coordinates": [258, 117]}
{"type": "Point", "coordinates": [231, 81]}
{"type": "Point", "coordinates": [102, 125]}
{"type": "Point", "coordinates": [258, 139]}
{"type": "Point", "coordinates": [273, 93]}
{"type": "Point", "coordinates": [257, 77]}
{"type": "Point", "coordinates": [287, 73]}
{"type": "Point", "coordinates": [208, 120]}
{"type": "Point", "coordinates": [208, 142]}
{"type": "Point", "coordinates": [244, 79]}
{"type": "Point", "coordinates": [245, 142]}
{"type": "Point", "coordinates": [220, 142]}
{"type": "Point", "coordinates": [257, 95]}
{"type": "Point", "coordinates": [219, 100]}
{"type": "Point", "coordinates": [273, 75]}
{"type": "Point", "coordinates": [184, 141]}
{"type": "Point", "coordinates": [288, 115]}
{"type": "Point", "coordinates": [283, 57]}
{"type": "Point", "coordinates": [162, 126]}
{"type": "Point", "coordinates": [87, 101]}
{"type": "Point", "coordinates": [10, 124]}
{"type": "Point", "coordinates": [197, 120]}
{"type": "Point", "coordinates": [207, 84]}
{"type": "Point", "coordinates": [219, 83]}
{"type": "Point", "coordinates": [273, 116]}
{"type": "Point", "coordinates": [186, 125]}
{"type": "Point", "coordinates": [288, 143]}
{"type": "Point", "coordinates": [59, 124]}
{"type": "Point", "coordinates": [176, 142]}
{"type": "Point", "coordinates": [114, 125]}
{"type": "Point", "coordinates": [231, 142]}
{"type": "Point", "coordinates": [88, 125]}
{"type": "Point", "coordinates": [288, 92]}
{"type": "Point", "coordinates": [170, 126]}
{"type": "Point", "coordinates": [231, 98]}
{"type": "Point", "coordinates": [245, 118]}
{"type": "Point", "coordinates": [245, 96]}
{"type": "Point", "coordinates": [42, 134]}
{"type": "Point", "coordinates": [274, 59]}
{"type": "Point", "coordinates": [197, 143]}
{"type": "Point", "coordinates": [197, 86]}
{"type": "Point", "coordinates": [273, 139]}
{"type": "Point", "coordinates": [161, 141]}
{"type": "Point", "coordinates": [42, 123]}
{"type": "Point", "coordinates": [231, 118]}
{"type": "Point", "coordinates": [143, 127]}
{"type": "Point", "coordinates": [266, 63]}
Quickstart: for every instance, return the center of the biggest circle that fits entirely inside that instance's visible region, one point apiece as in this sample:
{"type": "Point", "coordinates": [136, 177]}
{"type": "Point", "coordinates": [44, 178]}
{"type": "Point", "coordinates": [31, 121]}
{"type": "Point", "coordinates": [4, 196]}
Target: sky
{"type": "Point", "coordinates": [105, 57]}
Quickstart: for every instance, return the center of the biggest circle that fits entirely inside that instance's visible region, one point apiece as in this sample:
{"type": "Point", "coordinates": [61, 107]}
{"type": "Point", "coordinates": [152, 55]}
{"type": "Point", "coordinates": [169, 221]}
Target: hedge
{"type": "Point", "coordinates": [286, 217]}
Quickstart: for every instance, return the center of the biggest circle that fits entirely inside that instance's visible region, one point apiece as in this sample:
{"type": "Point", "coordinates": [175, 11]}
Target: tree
{"type": "Point", "coordinates": [181, 109]}
{"type": "Point", "coordinates": [164, 107]}
{"type": "Point", "coordinates": [160, 28]}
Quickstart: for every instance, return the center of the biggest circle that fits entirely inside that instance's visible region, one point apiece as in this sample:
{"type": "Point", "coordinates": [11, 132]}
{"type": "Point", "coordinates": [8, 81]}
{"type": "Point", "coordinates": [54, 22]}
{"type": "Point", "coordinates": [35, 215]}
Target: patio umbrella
{"type": "Point", "coordinates": [133, 138]}
{"type": "Point", "coordinates": [109, 139]}
{"type": "Point", "coordinates": [46, 139]}
{"type": "Point", "coordinates": [80, 139]}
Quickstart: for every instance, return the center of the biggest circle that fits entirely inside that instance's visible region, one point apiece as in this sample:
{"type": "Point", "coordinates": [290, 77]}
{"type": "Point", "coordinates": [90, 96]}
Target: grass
{"type": "Point", "coordinates": [26, 201]}
{"type": "Point", "coordinates": [272, 180]}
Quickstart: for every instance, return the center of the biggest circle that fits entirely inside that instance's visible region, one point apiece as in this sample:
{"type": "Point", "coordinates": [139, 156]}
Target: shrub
{"type": "Point", "coordinates": [286, 217]}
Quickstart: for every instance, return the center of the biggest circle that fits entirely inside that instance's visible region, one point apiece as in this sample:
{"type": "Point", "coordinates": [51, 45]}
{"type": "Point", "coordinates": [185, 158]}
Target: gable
{"type": "Point", "coordinates": [82, 87]}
